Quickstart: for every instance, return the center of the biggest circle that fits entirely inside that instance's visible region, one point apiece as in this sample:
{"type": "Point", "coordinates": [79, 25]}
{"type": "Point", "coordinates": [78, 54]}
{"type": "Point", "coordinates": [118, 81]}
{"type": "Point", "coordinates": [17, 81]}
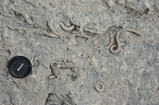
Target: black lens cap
{"type": "Point", "coordinates": [19, 67]}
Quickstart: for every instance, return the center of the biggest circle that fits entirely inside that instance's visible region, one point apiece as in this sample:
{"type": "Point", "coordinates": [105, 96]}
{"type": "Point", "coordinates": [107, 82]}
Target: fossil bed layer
{"type": "Point", "coordinates": [128, 77]}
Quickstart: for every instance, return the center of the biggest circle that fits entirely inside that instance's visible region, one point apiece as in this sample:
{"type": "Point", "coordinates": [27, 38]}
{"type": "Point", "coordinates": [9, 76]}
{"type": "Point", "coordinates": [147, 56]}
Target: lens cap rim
{"type": "Point", "coordinates": [22, 66]}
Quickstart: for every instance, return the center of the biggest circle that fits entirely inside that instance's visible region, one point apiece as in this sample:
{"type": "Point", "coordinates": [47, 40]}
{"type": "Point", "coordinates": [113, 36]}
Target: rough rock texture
{"type": "Point", "coordinates": [31, 28]}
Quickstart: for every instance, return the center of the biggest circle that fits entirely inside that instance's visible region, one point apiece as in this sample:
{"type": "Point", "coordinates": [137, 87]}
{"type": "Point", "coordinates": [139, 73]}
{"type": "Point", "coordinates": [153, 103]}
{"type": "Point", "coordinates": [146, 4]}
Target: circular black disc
{"type": "Point", "coordinates": [19, 66]}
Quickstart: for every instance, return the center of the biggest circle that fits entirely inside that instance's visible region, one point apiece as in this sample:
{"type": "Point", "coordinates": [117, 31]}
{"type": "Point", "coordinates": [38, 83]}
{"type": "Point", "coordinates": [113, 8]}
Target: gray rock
{"type": "Point", "coordinates": [31, 28]}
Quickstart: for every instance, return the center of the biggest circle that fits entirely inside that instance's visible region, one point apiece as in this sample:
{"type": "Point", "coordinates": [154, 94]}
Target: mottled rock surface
{"type": "Point", "coordinates": [31, 28]}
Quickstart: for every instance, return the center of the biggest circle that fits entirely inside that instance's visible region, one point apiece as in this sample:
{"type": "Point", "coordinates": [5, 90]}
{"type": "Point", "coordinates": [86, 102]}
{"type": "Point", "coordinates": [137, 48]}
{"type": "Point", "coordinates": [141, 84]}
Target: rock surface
{"type": "Point", "coordinates": [31, 28]}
